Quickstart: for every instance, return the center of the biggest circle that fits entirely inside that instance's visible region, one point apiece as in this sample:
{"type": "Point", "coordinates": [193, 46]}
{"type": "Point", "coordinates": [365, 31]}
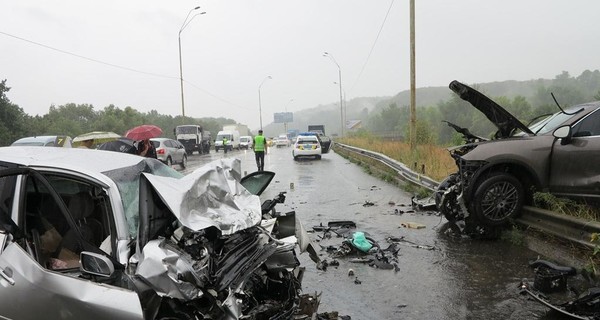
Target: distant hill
{"type": "Point", "coordinates": [578, 89]}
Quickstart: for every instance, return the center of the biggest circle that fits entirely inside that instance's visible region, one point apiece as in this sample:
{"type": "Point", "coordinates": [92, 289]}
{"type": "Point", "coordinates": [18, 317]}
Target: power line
{"type": "Point", "coordinates": [373, 46]}
{"type": "Point", "coordinates": [86, 58]}
{"type": "Point", "coordinates": [120, 67]}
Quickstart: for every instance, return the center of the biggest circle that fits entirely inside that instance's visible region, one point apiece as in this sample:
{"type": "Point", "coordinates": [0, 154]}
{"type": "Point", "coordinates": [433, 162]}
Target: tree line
{"type": "Point", "coordinates": [524, 99]}
{"type": "Point", "coordinates": [75, 119]}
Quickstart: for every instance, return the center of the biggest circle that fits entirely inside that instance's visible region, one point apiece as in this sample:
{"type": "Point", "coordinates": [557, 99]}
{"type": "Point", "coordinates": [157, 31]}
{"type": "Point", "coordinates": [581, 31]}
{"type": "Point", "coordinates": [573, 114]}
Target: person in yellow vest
{"type": "Point", "coordinates": [225, 144]}
{"type": "Point", "coordinates": [260, 148]}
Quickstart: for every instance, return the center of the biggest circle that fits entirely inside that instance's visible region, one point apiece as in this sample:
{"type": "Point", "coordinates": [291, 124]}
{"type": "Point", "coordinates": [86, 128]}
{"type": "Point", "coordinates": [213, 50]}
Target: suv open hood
{"type": "Point", "coordinates": [504, 121]}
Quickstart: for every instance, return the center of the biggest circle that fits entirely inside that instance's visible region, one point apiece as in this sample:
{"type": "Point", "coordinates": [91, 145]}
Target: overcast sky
{"type": "Point", "coordinates": [125, 52]}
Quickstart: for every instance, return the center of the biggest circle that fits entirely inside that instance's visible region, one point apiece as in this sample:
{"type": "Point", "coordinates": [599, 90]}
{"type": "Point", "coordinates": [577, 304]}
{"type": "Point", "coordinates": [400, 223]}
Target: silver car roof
{"type": "Point", "coordinates": [87, 161]}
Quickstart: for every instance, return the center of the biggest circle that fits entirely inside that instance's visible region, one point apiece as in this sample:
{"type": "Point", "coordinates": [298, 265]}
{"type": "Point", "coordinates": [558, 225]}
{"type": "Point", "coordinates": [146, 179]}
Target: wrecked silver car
{"type": "Point", "coordinates": [88, 234]}
{"type": "Point", "coordinates": [497, 176]}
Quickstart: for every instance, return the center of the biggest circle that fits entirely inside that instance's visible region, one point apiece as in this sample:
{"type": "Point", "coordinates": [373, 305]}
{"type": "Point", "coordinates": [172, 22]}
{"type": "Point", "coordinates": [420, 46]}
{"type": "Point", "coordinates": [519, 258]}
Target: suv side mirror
{"type": "Point", "coordinates": [96, 264]}
{"type": "Point", "coordinates": [563, 133]}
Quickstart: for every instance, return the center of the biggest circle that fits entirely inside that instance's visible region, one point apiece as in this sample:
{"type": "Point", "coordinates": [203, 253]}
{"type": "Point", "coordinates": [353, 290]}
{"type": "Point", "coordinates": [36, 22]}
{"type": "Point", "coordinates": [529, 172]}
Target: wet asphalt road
{"type": "Point", "coordinates": [460, 279]}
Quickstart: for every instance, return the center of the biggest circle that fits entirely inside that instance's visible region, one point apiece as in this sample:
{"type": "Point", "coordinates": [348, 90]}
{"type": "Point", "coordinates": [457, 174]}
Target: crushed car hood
{"type": "Point", "coordinates": [504, 121]}
{"type": "Point", "coordinates": [211, 196]}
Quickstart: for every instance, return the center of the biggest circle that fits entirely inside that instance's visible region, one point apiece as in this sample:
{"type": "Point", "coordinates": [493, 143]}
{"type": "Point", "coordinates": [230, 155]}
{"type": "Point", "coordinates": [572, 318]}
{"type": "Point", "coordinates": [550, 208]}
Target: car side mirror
{"type": "Point", "coordinates": [563, 133]}
{"type": "Point", "coordinates": [96, 264]}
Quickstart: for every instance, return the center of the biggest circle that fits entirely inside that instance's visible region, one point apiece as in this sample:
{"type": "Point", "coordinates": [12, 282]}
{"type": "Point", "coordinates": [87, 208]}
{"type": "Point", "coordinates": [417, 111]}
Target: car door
{"type": "Point", "coordinates": [179, 150]}
{"type": "Point", "coordinates": [29, 287]}
{"type": "Point", "coordinates": [574, 170]}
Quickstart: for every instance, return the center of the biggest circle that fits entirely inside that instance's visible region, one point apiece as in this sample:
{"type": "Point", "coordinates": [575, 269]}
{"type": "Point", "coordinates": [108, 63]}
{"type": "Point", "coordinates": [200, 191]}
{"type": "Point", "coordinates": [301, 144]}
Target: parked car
{"type": "Point", "coordinates": [246, 142]}
{"type": "Point", "coordinates": [555, 153]}
{"type": "Point", "coordinates": [282, 141]}
{"type": "Point", "coordinates": [307, 146]}
{"type": "Point", "coordinates": [45, 141]}
{"type": "Point", "coordinates": [170, 151]}
{"type": "Point", "coordinates": [117, 236]}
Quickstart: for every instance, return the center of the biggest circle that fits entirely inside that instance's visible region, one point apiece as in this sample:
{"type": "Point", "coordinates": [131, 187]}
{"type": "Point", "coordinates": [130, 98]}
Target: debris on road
{"type": "Point", "coordinates": [402, 241]}
{"type": "Point", "coordinates": [412, 225]}
{"type": "Point", "coordinates": [423, 204]}
{"type": "Point", "coordinates": [368, 204]}
{"type": "Point", "coordinates": [551, 289]}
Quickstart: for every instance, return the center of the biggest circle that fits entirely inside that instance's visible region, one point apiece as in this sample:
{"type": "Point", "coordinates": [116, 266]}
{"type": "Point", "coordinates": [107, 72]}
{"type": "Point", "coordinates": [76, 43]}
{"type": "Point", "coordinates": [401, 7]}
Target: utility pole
{"type": "Point", "coordinates": [413, 96]}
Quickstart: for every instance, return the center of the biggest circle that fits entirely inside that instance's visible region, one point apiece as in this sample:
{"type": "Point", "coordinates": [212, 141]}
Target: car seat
{"type": "Point", "coordinates": [82, 207]}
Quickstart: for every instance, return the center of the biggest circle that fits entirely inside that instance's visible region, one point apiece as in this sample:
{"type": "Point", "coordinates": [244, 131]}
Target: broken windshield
{"type": "Point", "coordinates": [128, 183]}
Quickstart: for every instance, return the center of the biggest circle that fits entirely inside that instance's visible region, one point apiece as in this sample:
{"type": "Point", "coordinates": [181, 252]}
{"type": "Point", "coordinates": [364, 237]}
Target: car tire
{"type": "Point", "coordinates": [318, 157]}
{"type": "Point", "coordinates": [295, 158]}
{"type": "Point", "coordinates": [497, 199]}
{"type": "Point", "coordinates": [183, 163]}
{"type": "Point", "coordinates": [169, 161]}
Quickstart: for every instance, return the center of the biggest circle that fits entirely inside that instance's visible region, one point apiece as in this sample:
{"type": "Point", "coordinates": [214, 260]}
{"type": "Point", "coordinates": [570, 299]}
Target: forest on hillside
{"type": "Point", "coordinates": [378, 115]}
{"type": "Point", "coordinates": [524, 99]}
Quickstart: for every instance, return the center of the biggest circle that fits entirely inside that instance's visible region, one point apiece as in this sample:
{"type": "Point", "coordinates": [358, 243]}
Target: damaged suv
{"type": "Point", "coordinates": [116, 236]}
{"type": "Point", "coordinates": [555, 153]}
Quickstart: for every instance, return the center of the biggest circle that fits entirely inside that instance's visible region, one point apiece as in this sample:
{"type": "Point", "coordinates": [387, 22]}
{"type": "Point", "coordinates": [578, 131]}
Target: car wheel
{"type": "Point", "coordinates": [498, 198]}
{"type": "Point", "coordinates": [169, 161]}
{"type": "Point", "coordinates": [183, 162]}
{"type": "Point", "coordinates": [295, 158]}
{"type": "Point", "coordinates": [318, 157]}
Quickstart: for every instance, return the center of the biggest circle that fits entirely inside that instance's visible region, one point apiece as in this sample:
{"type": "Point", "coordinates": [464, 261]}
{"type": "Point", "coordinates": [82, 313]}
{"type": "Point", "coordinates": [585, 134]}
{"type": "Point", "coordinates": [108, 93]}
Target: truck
{"type": "Point", "coordinates": [319, 128]}
{"type": "Point", "coordinates": [241, 128]}
{"type": "Point", "coordinates": [233, 140]}
{"type": "Point", "coordinates": [193, 138]}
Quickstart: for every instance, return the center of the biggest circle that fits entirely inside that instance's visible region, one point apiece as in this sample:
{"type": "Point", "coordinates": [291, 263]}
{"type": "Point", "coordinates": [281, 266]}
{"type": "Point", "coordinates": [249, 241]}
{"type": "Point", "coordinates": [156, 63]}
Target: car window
{"type": "Point", "coordinates": [589, 126]}
{"type": "Point", "coordinates": [156, 144]}
{"type": "Point", "coordinates": [307, 141]}
{"type": "Point", "coordinates": [56, 242]}
{"type": "Point", "coordinates": [7, 191]}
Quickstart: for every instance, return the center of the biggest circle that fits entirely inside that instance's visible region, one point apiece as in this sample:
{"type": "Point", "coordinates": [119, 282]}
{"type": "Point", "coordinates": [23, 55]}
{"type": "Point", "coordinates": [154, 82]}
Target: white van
{"type": "Point", "coordinates": [246, 142]}
{"type": "Point", "coordinates": [233, 140]}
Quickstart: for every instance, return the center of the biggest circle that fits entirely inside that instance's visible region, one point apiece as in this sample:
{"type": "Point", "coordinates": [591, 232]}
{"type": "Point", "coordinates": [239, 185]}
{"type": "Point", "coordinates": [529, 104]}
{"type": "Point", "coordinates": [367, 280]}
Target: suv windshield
{"type": "Point", "coordinates": [550, 123]}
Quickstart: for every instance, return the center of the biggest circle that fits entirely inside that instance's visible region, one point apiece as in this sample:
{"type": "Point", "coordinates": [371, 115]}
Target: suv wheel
{"type": "Point", "coordinates": [169, 161]}
{"type": "Point", "coordinates": [499, 197]}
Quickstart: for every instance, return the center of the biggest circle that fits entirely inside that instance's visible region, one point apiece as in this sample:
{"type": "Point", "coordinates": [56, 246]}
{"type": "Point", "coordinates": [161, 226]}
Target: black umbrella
{"type": "Point", "coordinates": [122, 144]}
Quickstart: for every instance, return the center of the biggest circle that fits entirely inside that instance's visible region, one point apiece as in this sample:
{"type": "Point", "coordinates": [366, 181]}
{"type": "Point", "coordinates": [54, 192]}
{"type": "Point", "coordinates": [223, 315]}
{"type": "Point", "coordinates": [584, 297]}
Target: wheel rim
{"type": "Point", "coordinates": [500, 201]}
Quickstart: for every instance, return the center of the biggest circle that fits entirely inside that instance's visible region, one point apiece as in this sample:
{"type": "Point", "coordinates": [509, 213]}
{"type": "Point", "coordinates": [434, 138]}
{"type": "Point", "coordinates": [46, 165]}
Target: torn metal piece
{"type": "Point", "coordinates": [423, 204]}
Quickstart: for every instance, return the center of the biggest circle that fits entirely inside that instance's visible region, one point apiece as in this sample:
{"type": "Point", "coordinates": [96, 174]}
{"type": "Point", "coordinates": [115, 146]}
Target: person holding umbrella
{"type": "Point", "coordinates": [144, 133]}
{"type": "Point", "coordinates": [86, 144]}
{"type": "Point", "coordinates": [146, 149]}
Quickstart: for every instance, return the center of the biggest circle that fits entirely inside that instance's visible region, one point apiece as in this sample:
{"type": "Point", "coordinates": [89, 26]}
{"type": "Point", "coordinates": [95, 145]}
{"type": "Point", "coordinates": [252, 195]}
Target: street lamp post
{"type": "Point", "coordinates": [327, 54]}
{"type": "Point", "coordinates": [259, 103]}
{"type": "Point", "coordinates": [185, 24]}
{"type": "Point", "coordinates": [345, 105]}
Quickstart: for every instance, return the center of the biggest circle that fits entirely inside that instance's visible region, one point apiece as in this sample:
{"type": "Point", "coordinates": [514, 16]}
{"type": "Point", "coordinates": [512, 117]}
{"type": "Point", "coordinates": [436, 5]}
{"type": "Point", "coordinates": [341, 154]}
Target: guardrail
{"type": "Point", "coordinates": [559, 225]}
